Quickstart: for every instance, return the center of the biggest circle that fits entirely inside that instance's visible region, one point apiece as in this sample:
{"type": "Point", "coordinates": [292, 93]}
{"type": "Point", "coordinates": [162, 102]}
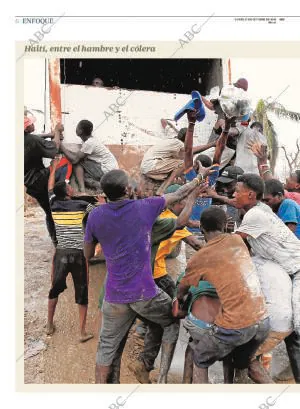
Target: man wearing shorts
{"type": "Point", "coordinates": [68, 215]}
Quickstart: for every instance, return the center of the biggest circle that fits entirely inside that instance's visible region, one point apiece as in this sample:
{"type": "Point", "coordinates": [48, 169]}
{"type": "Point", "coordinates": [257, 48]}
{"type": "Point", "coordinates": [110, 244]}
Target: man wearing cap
{"type": "Point", "coordinates": [223, 194]}
{"type": "Point", "coordinates": [35, 174]}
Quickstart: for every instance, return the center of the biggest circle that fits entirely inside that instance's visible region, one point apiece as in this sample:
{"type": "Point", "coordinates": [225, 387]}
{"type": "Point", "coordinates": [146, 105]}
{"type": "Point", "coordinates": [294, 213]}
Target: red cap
{"type": "Point", "coordinates": [28, 120]}
{"type": "Point", "coordinates": [241, 83]}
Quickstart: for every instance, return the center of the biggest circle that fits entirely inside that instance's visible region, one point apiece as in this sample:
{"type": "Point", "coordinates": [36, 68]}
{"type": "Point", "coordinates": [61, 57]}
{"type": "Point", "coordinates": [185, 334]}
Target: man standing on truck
{"type": "Point", "coordinates": [164, 161]}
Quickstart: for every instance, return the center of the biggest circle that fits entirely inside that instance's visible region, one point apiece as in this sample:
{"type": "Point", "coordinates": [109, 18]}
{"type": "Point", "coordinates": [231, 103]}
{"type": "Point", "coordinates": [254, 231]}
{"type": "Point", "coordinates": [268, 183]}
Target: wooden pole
{"type": "Point", "coordinates": [54, 90]}
{"type": "Point", "coordinates": [229, 71]}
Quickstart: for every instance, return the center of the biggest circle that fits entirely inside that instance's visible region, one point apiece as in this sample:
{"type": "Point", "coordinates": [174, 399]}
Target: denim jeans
{"type": "Point", "coordinates": [215, 343]}
{"type": "Point", "coordinates": [118, 318]}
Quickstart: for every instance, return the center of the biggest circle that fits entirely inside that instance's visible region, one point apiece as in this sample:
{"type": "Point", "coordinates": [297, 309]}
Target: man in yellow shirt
{"type": "Point", "coordinates": [153, 337]}
{"type": "Point", "coordinates": [167, 246]}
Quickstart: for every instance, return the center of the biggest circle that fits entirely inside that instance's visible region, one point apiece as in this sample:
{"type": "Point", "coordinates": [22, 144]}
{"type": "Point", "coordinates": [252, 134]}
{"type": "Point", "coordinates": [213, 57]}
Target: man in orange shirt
{"type": "Point", "coordinates": [242, 323]}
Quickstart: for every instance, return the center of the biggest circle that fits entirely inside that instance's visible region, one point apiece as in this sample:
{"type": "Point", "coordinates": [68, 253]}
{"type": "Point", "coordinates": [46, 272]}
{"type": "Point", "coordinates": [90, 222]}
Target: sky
{"type": "Point", "coordinates": [271, 77]}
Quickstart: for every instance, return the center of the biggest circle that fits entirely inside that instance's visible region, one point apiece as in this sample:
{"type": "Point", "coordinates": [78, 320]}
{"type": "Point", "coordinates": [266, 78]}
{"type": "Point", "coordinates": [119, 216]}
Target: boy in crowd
{"type": "Point", "coordinates": [286, 209]}
{"type": "Point", "coordinates": [223, 194]}
{"type": "Point", "coordinates": [92, 161]}
{"type": "Point", "coordinates": [68, 215]}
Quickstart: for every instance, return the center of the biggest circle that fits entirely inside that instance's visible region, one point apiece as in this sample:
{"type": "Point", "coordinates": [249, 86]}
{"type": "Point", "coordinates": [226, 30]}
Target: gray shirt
{"type": "Point", "coordinates": [245, 158]}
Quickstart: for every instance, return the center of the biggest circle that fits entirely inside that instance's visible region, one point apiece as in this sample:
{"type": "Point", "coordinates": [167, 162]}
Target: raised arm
{"type": "Point", "coordinates": [202, 148]}
{"type": "Point", "coordinates": [183, 218]}
{"type": "Point", "coordinates": [188, 143]}
{"type": "Point", "coordinates": [208, 103]}
{"type": "Point", "coordinates": [209, 192]}
{"type": "Point", "coordinates": [165, 122]}
{"type": "Point", "coordinates": [58, 135]}
{"type": "Point", "coordinates": [261, 152]}
{"type": "Point", "coordinates": [221, 142]}
{"type": "Point", "coordinates": [51, 180]}
{"type": "Point", "coordinates": [184, 191]}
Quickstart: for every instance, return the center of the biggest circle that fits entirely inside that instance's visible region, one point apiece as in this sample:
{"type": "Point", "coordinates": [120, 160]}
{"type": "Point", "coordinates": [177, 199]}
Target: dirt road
{"type": "Point", "coordinates": [61, 358]}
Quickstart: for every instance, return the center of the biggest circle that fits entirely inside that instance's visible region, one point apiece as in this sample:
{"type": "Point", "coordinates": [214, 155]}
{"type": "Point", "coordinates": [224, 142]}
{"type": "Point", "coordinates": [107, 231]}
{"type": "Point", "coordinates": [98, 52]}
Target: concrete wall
{"type": "Point", "coordinates": [134, 121]}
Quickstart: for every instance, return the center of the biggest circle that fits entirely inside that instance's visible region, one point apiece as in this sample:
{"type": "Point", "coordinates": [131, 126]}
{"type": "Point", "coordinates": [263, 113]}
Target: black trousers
{"type": "Point", "coordinates": [43, 200]}
{"type": "Point", "coordinates": [292, 343]}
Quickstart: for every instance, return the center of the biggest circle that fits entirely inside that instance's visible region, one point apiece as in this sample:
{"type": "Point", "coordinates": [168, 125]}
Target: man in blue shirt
{"type": "Point", "coordinates": [286, 209]}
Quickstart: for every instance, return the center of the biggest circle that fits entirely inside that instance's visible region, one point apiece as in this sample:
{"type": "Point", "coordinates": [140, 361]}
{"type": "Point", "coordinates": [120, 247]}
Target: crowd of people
{"type": "Point", "coordinates": [239, 296]}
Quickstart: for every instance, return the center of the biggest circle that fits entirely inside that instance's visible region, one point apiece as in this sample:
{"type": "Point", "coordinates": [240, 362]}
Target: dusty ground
{"type": "Point", "coordinates": [61, 358]}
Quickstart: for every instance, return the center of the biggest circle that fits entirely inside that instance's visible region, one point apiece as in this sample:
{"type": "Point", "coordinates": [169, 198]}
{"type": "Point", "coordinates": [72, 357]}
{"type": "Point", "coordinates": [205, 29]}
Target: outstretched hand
{"type": "Point", "coordinates": [199, 190]}
{"type": "Point", "coordinates": [259, 149]}
{"type": "Point", "coordinates": [209, 192]}
{"type": "Point", "coordinates": [202, 170]}
{"type": "Point", "coordinates": [192, 114]}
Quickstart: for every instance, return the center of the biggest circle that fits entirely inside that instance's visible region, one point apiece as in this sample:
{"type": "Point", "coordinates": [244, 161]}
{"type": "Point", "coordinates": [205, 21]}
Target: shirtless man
{"type": "Point", "coordinates": [241, 325]}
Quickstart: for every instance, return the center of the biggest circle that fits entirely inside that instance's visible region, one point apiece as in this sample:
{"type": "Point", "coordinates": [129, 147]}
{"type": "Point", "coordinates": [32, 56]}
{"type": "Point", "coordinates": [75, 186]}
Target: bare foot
{"type": "Point", "coordinates": [85, 337]}
{"type": "Point", "coordinates": [50, 328]}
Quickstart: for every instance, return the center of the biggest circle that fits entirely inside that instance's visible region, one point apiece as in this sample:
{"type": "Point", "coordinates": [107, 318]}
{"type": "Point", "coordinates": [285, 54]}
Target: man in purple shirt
{"type": "Point", "coordinates": [123, 228]}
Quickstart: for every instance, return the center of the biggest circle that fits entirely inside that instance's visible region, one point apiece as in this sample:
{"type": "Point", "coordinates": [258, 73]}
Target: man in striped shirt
{"type": "Point", "coordinates": [68, 215]}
